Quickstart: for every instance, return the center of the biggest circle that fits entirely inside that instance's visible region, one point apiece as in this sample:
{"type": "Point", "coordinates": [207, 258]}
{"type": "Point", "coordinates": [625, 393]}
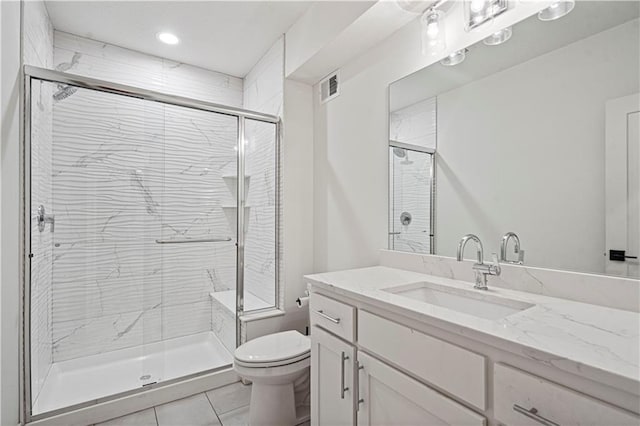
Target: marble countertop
{"type": "Point", "coordinates": [594, 342]}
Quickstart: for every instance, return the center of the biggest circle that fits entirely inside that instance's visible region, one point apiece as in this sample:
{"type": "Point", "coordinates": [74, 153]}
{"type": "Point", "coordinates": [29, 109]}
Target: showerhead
{"type": "Point", "coordinates": [399, 152]}
{"type": "Point", "coordinates": [64, 92]}
{"type": "Point", "coordinates": [402, 154]}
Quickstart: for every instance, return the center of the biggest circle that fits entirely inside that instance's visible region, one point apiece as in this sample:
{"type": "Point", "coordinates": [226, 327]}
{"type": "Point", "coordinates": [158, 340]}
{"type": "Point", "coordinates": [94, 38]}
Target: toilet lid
{"type": "Point", "coordinates": [274, 347]}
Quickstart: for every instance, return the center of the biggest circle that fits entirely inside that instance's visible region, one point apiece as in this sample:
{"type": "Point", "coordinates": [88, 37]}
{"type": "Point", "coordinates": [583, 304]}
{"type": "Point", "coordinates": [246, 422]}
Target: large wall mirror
{"type": "Point", "coordinates": [539, 136]}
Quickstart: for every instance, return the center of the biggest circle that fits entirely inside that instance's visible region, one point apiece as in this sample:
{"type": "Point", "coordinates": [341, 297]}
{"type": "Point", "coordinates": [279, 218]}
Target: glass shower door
{"type": "Point", "coordinates": [96, 170]}
{"type": "Point", "coordinates": [261, 212]}
{"type": "Point", "coordinates": [196, 240]}
{"type": "Point", "coordinates": [132, 243]}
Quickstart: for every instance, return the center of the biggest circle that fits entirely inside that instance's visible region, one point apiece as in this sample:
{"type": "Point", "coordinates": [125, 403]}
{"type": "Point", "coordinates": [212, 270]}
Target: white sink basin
{"type": "Point", "coordinates": [471, 302]}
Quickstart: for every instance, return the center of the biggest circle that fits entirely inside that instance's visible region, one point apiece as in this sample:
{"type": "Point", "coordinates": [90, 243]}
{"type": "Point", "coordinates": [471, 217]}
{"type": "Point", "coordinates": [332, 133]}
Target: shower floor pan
{"type": "Point", "coordinates": [90, 378]}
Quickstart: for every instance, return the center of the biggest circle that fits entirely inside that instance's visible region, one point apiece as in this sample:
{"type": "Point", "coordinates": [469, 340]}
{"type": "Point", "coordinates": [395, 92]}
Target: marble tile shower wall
{"type": "Point", "coordinates": [38, 51]}
{"type": "Point", "coordinates": [415, 125]}
{"type": "Point", "coordinates": [108, 62]}
{"type": "Point", "coordinates": [127, 172]}
{"type": "Point", "coordinates": [264, 92]}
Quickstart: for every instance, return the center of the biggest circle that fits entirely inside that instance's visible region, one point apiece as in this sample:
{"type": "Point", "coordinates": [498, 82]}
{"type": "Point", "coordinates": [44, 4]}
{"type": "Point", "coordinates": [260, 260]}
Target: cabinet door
{"type": "Point", "coordinates": [332, 380]}
{"type": "Point", "coordinates": [389, 397]}
{"type": "Point", "coordinates": [522, 399]}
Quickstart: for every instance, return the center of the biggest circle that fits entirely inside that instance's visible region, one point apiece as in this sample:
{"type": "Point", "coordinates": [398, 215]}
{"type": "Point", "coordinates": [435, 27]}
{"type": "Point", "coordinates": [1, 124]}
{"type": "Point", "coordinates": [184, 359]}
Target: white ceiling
{"type": "Point", "coordinates": [225, 36]}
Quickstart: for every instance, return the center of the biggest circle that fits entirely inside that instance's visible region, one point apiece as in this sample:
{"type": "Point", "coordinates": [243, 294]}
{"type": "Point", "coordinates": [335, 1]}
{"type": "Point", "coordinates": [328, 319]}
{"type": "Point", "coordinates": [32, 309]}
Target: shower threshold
{"type": "Point", "coordinates": [93, 377]}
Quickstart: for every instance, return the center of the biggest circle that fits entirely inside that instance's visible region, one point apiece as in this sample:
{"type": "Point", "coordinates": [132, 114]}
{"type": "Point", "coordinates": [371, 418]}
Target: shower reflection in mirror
{"type": "Point", "coordinates": [412, 146]}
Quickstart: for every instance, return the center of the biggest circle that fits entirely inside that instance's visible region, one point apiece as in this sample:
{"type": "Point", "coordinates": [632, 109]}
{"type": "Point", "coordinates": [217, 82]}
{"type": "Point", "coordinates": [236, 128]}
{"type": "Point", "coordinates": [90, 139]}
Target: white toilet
{"type": "Point", "coordinates": [278, 365]}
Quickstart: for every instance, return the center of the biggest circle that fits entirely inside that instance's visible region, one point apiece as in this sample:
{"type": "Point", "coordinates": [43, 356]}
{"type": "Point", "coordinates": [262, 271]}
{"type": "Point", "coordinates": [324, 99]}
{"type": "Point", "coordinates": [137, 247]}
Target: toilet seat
{"type": "Point", "coordinates": [273, 363]}
{"type": "Point", "coordinates": [274, 350]}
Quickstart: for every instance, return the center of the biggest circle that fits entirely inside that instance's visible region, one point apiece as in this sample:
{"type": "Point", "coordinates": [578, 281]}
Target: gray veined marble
{"type": "Point", "coordinates": [598, 342]}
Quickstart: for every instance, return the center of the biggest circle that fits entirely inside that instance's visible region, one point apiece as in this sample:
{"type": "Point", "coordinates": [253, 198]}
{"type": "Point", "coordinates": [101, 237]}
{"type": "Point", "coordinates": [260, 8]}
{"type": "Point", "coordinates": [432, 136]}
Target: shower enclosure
{"type": "Point", "coordinates": [412, 177]}
{"type": "Point", "coordinates": [150, 226]}
{"type": "Point", "coordinates": [411, 199]}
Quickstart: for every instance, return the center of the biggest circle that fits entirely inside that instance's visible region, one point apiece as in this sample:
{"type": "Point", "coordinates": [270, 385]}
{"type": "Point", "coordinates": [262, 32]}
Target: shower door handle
{"type": "Point", "coordinates": [42, 218]}
{"type": "Point", "coordinates": [194, 240]}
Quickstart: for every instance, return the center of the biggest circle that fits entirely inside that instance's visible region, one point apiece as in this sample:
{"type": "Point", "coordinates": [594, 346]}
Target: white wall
{"type": "Point", "coordinates": [298, 197]}
{"type": "Point", "coordinates": [319, 25]}
{"type": "Point", "coordinates": [530, 155]}
{"type": "Point", "coordinates": [350, 196]}
{"type": "Point", "coordinates": [10, 92]}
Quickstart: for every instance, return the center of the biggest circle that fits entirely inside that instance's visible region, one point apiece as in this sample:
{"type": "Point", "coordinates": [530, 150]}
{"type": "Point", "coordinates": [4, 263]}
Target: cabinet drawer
{"type": "Point", "coordinates": [517, 394]}
{"type": "Point", "coordinates": [334, 316]}
{"type": "Point", "coordinates": [449, 367]}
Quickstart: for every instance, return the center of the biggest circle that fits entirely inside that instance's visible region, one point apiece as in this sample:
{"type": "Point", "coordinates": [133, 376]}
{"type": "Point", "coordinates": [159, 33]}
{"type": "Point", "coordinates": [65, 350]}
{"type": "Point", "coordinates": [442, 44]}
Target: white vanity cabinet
{"type": "Point", "coordinates": [389, 397]}
{"type": "Point", "coordinates": [333, 357]}
{"type": "Point", "coordinates": [351, 387]}
{"type": "Point", "coordinates": [368, 369]}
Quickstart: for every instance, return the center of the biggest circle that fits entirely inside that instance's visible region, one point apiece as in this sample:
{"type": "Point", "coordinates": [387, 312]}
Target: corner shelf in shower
{"type": "Point", "coordinates": [231, 209]}
{"type": "Point", "coordinates": [232, 184]}
{"type": "Point", "coordinates": [231, 213]}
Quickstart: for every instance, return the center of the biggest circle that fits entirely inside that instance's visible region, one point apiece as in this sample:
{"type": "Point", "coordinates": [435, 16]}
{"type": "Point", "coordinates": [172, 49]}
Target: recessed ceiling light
{"type": "Point", "coordinates": [168, 38]}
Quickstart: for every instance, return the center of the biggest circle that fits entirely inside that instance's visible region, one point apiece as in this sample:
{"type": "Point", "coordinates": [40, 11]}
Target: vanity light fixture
{"type": "Point", "coordinates": [432, 32]}
{"type": "Point", "coordinates": [477, 12]}
{"type": "Point", "coordinates": [455, 58]}
{"type": "Point", "coordinates": [498, 37]}
{"type": "Point", "coordinates": [168, 38]}
{"type": "Point", "coordinates": [556, 10]}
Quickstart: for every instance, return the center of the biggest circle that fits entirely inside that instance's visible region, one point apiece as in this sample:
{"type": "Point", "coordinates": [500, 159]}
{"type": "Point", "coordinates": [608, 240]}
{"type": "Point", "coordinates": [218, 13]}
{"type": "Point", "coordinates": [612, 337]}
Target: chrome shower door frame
{"type": "Point", "coordinates": [30, 74]}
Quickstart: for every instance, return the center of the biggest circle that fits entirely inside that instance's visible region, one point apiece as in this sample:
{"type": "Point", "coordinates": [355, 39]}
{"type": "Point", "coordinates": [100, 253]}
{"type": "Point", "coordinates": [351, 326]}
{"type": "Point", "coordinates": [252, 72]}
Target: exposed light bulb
{"type": "Point", "coordinates": [433, 32]}
{"type": "Point", "coordinates": [433, 29]}
{"type": "Point", "coordinates": [477, 5]}
{"type": "Point", "coordinates": [482, 12]}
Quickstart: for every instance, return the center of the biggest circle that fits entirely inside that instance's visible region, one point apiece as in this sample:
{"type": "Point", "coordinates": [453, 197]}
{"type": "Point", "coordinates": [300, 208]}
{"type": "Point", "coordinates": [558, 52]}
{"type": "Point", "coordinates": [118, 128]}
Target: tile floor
{"type": "Point", "coordinates": [226, 406]}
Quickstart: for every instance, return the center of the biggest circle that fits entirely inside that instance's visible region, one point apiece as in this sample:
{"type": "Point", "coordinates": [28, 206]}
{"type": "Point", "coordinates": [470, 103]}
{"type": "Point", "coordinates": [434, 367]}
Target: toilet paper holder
{"type": "Point", "coordinates": [303, 301]}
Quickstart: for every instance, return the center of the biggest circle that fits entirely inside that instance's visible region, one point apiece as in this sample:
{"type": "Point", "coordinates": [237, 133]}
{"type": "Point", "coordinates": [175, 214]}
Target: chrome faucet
{"type": "Point", "coordinates": [516, 249]}
{"type": "Point", "coordinates": [482, 270]}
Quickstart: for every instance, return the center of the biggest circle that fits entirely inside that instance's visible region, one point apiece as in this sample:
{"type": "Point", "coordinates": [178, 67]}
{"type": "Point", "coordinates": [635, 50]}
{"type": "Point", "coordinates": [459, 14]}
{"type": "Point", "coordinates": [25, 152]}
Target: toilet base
{"type": "Point", "coordinates": [279, 400]}
{"type": "Point", "coordinates": [272, 405]}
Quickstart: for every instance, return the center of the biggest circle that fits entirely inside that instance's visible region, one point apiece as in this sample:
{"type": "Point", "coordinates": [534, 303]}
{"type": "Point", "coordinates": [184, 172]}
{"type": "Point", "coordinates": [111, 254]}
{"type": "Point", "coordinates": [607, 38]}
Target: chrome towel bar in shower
{"type": "Point", "coordinates": [194, 240]}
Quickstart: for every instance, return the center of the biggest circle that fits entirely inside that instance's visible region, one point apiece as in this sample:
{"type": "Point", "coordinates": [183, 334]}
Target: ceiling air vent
{"type": "Point", "coordinates": [330, 87]}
